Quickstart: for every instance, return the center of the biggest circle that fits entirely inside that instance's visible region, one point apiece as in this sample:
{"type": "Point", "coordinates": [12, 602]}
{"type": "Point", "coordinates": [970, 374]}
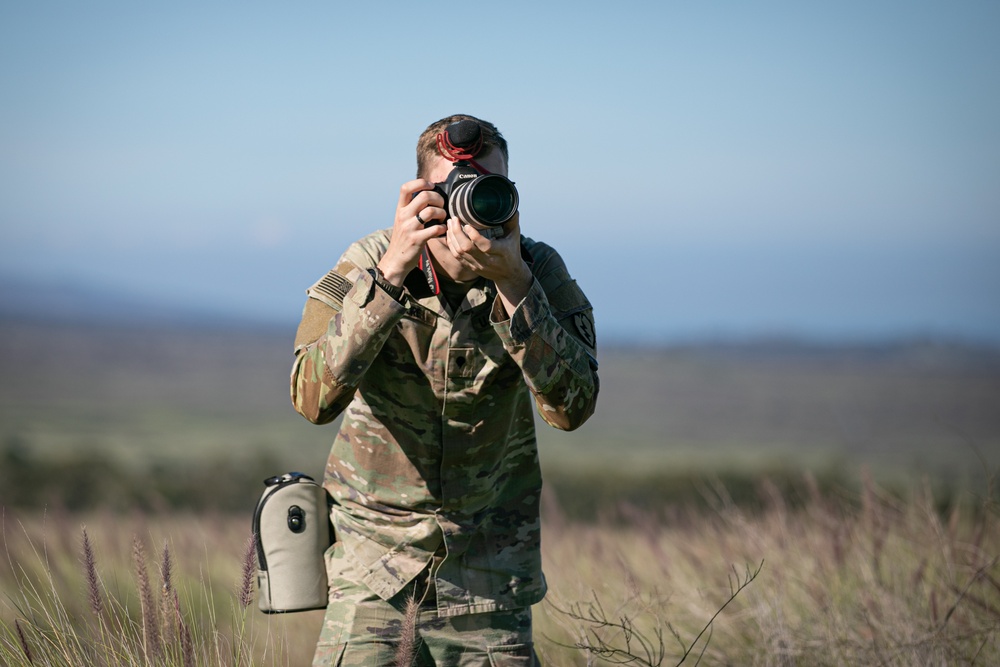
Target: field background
{"type": "Point", "coordinates": [138, 407]}
{"type": "Point", "coordinates": [124, 414]}
{"type": "Point", "coordinates": [856, 479]}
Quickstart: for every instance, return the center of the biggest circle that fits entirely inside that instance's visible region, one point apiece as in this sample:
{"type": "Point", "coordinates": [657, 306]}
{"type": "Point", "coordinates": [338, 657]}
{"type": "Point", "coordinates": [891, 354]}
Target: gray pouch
{"type": "Point", "coordinates": [292, 528]}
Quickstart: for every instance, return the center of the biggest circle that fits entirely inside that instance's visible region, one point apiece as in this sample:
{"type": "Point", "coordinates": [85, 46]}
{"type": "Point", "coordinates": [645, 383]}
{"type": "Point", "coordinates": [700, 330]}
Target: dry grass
{"type": "Point", "coordinates": [79, 591]}
{"type": "Point", "coordinates": [867, 579]}
{"type": "Point", "coordinates": [875, 580]}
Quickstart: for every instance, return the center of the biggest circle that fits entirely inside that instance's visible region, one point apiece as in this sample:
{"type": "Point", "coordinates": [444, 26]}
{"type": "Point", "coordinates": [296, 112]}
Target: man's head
{"type": "Point", "coordinates": [427, 147]}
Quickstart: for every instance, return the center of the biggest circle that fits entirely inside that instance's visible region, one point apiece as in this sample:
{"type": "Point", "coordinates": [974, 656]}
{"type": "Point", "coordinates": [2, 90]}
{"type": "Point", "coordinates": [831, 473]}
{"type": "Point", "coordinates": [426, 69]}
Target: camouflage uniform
{"type": "Point", "coordinates": [436, 458]}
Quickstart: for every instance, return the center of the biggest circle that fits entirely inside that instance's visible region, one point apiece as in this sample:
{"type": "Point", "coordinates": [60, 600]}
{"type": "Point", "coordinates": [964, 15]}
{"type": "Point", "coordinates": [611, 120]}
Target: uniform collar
{"type": "Point", "coordinates": [481, 292]}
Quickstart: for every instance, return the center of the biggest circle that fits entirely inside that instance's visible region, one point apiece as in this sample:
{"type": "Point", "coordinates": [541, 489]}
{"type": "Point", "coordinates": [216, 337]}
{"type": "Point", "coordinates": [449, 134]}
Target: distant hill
{"type": "Point", "coordinates": [66, 301]}
{"type": "Point", "coordinates": [125, 383]}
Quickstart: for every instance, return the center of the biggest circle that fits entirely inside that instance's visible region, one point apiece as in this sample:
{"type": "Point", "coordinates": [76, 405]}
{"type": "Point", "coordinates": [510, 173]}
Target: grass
{"type": "Point", "coordinates": [846, 578]}
{"type": "Point", "coordinates": [682, 498]}
{"type": "Point", "coordinates": [868, 579]}
{"type": "Point", "coordinates": [170, 590]}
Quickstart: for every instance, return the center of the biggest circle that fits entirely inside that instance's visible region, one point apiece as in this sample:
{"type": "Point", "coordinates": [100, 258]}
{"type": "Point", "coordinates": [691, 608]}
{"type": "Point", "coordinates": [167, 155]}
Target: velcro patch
{"type": "Point", "coordinates": [584, 324]}
{"type": "Point", "coordinates": [331, 287]}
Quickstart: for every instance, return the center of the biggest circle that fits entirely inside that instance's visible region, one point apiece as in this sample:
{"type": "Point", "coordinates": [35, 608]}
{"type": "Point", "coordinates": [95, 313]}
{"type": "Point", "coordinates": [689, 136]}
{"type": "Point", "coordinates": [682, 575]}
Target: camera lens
{"type": "Point", "coordinates": [486, 201]}
{"type": "Point", "coordinates": [490, 201]}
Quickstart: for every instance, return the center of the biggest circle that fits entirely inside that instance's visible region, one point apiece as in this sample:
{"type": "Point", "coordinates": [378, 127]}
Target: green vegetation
{"type": "Point", "coordinates": [847, 579]}
{"type": "Point", "coordinates": [756, 504]}
{"type": "Point", "coordinates": [111, 417]}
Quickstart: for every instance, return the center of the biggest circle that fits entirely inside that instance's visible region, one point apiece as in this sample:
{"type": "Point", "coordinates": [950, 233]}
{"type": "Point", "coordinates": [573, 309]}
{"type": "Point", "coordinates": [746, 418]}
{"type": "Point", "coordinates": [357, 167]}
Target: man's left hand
{"type": "Point", "coordinates": [497, 259]}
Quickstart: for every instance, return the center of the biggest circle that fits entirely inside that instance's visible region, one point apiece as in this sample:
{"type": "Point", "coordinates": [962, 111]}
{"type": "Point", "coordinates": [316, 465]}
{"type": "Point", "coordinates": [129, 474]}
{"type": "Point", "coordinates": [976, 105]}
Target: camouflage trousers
{"type": "Point", "coordinates": [362, 630]}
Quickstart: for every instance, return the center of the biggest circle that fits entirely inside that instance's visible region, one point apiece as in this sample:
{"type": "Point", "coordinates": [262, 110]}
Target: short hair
{"type": "Point", "coordinates": [427, 148]}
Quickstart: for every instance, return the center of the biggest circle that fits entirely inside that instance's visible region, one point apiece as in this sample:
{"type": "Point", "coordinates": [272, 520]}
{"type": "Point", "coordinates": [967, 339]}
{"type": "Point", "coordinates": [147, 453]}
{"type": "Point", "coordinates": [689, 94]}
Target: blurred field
{"type": "Point", "coordinates": [117, 412]}
{"type": "Point", "coordinates": [859, 481]}
{"type": "Point", "coordinates": [872, 578]}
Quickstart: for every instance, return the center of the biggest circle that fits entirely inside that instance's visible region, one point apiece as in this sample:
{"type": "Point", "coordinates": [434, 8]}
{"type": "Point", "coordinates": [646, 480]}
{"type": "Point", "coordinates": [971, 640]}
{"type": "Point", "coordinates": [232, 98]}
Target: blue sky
{"type": "Point", "coordinates": [706, 168]}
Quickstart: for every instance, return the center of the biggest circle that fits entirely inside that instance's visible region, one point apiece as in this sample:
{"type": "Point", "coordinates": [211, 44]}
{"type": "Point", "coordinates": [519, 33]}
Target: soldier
{"type": "Point", "coordinates": [432, 338]}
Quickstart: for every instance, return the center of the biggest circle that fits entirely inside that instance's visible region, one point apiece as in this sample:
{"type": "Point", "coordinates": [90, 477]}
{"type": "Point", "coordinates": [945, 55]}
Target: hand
{"type": "Point", "coordinates": [410, 234]}
{"type": "Point", "coordinates": [498, 259]}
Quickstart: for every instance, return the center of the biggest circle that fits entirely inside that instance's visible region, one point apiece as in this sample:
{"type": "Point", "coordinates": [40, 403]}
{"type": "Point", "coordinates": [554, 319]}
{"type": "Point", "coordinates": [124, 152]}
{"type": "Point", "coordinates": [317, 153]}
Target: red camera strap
{"type": "Point", "coordinates": [427, 267]}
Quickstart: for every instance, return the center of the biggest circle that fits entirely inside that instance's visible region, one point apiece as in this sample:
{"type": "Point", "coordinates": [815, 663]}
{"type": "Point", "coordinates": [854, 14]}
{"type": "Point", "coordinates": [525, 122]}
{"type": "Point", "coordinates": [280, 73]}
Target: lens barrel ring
{"type": "Point", "coordinates": [489, 200]}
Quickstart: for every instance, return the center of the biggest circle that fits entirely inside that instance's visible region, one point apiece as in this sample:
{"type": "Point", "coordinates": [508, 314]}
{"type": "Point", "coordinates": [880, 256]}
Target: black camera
{"type": "Point", "coordinates": [482, 200]}
{"type": "Point", "coordinates": [471, 194]}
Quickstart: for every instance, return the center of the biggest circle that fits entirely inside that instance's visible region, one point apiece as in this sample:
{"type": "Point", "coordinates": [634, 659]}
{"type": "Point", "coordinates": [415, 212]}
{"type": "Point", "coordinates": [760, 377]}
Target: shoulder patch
{"type": "Point", "coordinates": [583, 322]}
{"type": "Point", "coordinates": [331, 289]}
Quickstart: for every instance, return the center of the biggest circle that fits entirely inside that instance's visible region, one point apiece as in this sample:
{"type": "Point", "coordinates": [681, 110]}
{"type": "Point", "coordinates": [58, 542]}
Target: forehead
{"type": "Point", "coordinates": [492, 162]}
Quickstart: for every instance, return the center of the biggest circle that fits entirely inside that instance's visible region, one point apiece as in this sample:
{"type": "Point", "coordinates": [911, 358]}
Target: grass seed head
{"type": "Point", "coordinates": [24, 643]}
{"type": "Point", "coordinates": [90, 572]}
{"type": "Point", "coordinates": [248, 570]}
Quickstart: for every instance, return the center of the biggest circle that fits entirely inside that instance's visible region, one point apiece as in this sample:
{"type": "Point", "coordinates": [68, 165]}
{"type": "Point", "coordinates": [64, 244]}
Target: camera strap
{"type": "Point", "coordinates": [427, 267]}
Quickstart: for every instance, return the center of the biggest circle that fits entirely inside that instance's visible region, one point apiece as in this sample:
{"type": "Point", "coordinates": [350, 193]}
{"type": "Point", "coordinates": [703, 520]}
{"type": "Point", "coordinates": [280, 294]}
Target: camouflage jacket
{"type": "Point", "coordinates": [436, 452]}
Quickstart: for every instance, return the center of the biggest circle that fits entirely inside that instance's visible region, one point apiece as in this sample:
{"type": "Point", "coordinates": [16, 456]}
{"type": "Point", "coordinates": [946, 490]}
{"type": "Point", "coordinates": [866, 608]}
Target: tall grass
{"type": "Point", "coordinates": [860, 579]}
{"type": "Point", "coordinates": [103, 594]}
{"type": "Point", "coordinates": [855, 578]}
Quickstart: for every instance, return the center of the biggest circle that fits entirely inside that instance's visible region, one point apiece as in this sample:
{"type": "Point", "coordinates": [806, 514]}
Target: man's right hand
{"type": "Point", "coordinates": [410, 234]}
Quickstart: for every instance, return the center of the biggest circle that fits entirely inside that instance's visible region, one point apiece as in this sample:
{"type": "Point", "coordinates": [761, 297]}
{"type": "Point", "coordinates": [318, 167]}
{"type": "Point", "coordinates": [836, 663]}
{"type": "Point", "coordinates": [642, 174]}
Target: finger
{"type": "Point", "coordinates": [467, 260]}
{"type": "Point", "coordinates": [429, 198]}
{"type": "Point", "coordinates": [410, 188]}
{"type": "Point", "coordinates": [425, 207]}
{"type": "Point", "coordinates": [457, 238]}
{"type": "Point", "coordinates": [429, 214]}
{"type": "Point", "coordinates": [424, 198]}
{"type": "Point", "coordinates": [513, 223]}
{"type": "Point", "coordinates": [482, 243]}
{"type": "Point", "coordinates": [428, 233]}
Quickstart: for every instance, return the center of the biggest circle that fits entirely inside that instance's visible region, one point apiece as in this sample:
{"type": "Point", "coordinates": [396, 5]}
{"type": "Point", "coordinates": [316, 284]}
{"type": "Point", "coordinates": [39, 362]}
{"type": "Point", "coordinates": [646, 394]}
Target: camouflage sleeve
{"type": "Point", "coordinates": [352, 319]}
{"type": "Point", "coordinates": [551, 337]}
